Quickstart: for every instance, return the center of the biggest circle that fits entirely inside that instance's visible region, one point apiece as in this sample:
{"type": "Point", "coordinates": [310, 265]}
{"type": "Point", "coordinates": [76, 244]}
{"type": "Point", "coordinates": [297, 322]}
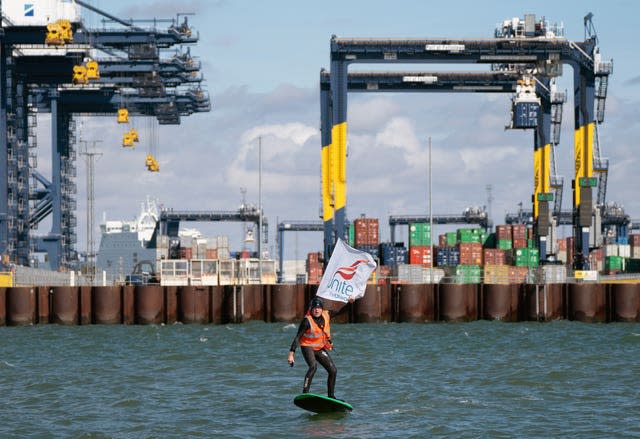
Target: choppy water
{"type": "Point", "coordinates": [479, 379]}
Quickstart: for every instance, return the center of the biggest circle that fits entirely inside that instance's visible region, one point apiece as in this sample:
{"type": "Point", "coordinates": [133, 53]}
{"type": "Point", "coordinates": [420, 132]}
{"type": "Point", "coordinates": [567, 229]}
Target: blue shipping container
{"type": "Point", "coordinates": [525, 114]}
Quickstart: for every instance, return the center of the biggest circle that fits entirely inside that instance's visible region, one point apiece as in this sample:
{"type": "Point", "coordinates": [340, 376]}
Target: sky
{"type": "Point", "coordinates": [261, 63]}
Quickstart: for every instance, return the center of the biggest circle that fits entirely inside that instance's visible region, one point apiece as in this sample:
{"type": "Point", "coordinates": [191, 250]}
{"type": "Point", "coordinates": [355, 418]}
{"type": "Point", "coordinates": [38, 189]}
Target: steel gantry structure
{"type": "Point", "coordinates": [41, 71]}
{"type": "Point", "coordinates": [502, 81]}
{"type": "Point", "coordinates": [169, 222]}
{"type": "Point", "coordinates": [525, 46]}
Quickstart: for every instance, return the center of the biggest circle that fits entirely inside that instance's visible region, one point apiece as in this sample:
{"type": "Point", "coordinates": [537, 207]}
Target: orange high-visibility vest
{"type": "Point", "coordinates": [315, 337]}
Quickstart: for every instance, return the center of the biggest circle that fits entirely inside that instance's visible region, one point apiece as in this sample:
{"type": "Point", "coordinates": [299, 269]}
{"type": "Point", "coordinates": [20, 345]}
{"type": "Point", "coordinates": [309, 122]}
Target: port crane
{"type": "Point", "coordinates": [169, 222]}
{"type": "Point", "coordinates": [293, 226]}
{"type": "Point", "coordinates": [469, 216]}
{"type": "Point", "coordinates": [524, 45]}
{"type": "Point", "coordinates": [500, 80]}
{"type": "Point", "coordinates": [49, 64]}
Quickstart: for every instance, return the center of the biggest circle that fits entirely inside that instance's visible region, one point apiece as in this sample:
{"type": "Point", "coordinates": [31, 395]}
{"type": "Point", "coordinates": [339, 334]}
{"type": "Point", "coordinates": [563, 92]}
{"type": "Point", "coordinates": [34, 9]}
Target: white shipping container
{"type": "Point", "coordinates": [562, 256]}
{"type": "Point", "coordinates": [611, 250]}
{"type": "Point", "coordinates": [39, 12]}
{"type": "Point", "coordinates": [635, 252]}
{"type": "Point", "coordinates": [624, 250]}
{"type": "Point", "coordinates": [553, 274]}
{"type": "Point", "coordinates": [222, 242]}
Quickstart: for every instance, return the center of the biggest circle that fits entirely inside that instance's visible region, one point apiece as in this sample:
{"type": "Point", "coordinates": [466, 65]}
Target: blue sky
{"type": "Point", "coordinates": [261, 62]}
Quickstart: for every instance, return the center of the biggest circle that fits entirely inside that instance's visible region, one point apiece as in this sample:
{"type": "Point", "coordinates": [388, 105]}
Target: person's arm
{"type": "Point", "coordinates": [304, 325]}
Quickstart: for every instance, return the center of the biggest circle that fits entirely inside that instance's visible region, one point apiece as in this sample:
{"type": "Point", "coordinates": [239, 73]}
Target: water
{"type": "Point", "coordinates": [478, 379]}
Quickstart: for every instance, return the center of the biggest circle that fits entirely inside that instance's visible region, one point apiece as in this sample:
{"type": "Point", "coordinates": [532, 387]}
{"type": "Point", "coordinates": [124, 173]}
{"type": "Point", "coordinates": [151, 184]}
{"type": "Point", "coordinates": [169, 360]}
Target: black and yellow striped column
{"type": "Point", "coordinates": [337, 154]}
{"type": "Point", "coordinates": [326, 180]}
{"type": "Point", "coordinates": [584, 181]}
{"type": "Point", "coordinates": [542, 195]}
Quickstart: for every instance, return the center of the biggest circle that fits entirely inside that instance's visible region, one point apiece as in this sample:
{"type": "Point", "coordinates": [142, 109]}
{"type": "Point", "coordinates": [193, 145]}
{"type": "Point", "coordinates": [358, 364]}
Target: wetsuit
{"type": "Point", "coordinates": [313, 357]}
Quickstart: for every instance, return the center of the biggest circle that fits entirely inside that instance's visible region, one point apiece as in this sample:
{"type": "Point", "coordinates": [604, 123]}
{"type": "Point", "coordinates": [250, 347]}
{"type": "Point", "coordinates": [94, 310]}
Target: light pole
{"type": "Point", "coordinates": [260, 208]}
{"type": "Point", "coordinates": [430, 220]}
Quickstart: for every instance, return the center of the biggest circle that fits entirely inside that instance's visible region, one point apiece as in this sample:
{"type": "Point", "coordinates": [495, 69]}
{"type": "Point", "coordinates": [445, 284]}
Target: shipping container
{"type": "Point", "coordinates": [418, 274]}
{"type": "Point", "coordinates": [503, 232]}
{"type": "Point", "coordinates": [497, 274]}
{"type": "Point", "coordinates": [366, 232]}
{"type": "Point", "coordinates": [469, 236]}
{"type": "Point", "coordinates": [525, 114]}
{"type": "Point", "coordinates": [632, 265]}
{"type": "Point", "coordinates": [420, 254]}
{"type": "Point", "coordinates": [419, 234]}
{"type": "Point", "coordinates": [470, 253]}
{"type": "Point", "coordinates": [465, 274]}
{"type": "Point", "coordinates": [553, 274]}
{"type": "Point", "coordinates": [447, 256]}
{"type": "Point", "coordinates": [391, 254]}
{"type": "Point", "coordinates": [613, 263]}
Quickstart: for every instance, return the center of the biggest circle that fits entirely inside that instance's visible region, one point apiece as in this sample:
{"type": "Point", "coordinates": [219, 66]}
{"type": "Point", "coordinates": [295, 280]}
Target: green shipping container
{"type": "Point", "coordinates": [468, 274]}
{"type": "Point", "coordinates": [419, 234]}
{"type": "Point", "coordinates": [632, 265]}
{"type": "Point", "coordinates": [451, 239]}
{"type": "Point", "coordinates": [613, 263]}
{"type": "Point", "coordinates": [505, 244]}
{"type": "Point", "coordinates": [352, 234]}
{"type": "Point", "coordinates": [468, 235]}
{"type": "Point", "coordinates": [526, 257]}
{"type": "Point", "coordinates": [534, 257]}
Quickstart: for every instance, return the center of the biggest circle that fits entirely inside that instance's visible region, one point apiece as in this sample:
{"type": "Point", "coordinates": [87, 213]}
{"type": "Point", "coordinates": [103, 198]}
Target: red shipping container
{"type": "Point", "coordinates": [634, 240]}
{"type": "Point", "coordinates": [442, 240]}
{"type": "Point", "coordinates": [519, 231]}
{"type": "Point", "coordinates": [420, 254]}
{"type": "Point", "coordinates": [384, 271]}
{"type": "Point", "coordinates": [185, 252]}
{"type": "Point", "coordinates": [597, 254]}
{"type": "Point", "coordinates": [211, 253]}
{"type": "Point", "coordinates": [494, 256]}
{"type": "Point", "coordinates": [519, 243]}
{"type": "Point", "coordinates": [470, 253]}
{"type": "Point", "coordinates": [518, 275]}
{"type": "Point", "coordinates": [503, 232]}
{"type": "Point", "coordinates": [562, 244]}
{"type": "Point", "coordinates": [366, 231]}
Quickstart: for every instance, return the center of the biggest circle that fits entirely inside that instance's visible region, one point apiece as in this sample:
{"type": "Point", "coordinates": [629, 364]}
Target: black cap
{"type": "Point", "coordinates": [316, 302]}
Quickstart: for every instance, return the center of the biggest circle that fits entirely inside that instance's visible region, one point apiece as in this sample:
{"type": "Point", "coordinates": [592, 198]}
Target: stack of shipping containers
{"type": "Point", "coordinates": [472, 255]}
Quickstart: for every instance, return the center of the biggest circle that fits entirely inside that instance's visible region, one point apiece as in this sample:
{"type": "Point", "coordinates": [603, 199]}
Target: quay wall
{"type": "Point", "coordinates": [223, 304]}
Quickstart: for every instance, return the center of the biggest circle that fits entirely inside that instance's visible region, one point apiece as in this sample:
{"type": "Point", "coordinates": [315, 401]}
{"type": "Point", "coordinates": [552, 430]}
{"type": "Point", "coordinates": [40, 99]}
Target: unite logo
{"type": "Point", "coordinates": [346, 273]}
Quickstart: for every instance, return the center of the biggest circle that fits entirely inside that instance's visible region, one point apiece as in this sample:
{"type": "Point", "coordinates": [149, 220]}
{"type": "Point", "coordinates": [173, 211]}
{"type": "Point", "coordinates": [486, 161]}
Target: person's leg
{"type": "Point", "coordinates": [324, 358]}
{"type": "Point", "coordinates": [310, 357]}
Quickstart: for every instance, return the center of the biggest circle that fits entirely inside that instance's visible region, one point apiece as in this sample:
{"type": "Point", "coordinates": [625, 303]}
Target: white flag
{"type": "Point", "coordinates": [347, 273]}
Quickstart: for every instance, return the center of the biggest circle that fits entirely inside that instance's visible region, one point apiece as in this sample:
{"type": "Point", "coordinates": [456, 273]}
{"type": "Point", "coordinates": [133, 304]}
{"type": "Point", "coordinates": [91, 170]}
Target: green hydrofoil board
{"type": "Point", "coordinates": [321, 404]}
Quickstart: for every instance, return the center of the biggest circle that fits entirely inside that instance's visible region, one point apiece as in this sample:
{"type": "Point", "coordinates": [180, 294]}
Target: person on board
{"type": "Point", "coordinates": [314, 339]}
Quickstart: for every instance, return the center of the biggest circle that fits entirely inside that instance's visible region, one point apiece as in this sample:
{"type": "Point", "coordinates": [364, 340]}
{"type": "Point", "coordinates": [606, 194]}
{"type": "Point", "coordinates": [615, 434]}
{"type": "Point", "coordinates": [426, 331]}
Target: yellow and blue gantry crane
{"type": "Point", "coordinates": [524, 43]}
{"type": "Point", "coordinates": [51, 62]}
